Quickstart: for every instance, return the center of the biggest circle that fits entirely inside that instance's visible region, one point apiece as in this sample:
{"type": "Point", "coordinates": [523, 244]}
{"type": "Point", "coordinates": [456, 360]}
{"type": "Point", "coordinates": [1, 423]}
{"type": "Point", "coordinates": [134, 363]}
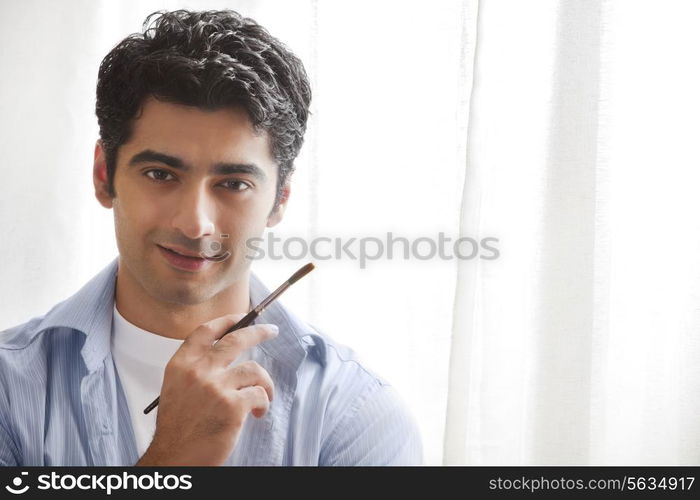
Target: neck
{"type": "Point", "coordinates": [171, 320]}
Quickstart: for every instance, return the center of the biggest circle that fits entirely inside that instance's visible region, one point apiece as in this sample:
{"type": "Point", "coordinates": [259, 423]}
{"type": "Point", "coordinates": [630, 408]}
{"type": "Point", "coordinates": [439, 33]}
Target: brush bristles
{"type": "Point", "coordinates": [301, 273]}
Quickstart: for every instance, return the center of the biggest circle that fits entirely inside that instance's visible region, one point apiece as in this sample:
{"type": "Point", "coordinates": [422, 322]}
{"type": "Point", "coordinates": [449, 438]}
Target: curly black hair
{"type": "Point", "coordinates": [211, 60]}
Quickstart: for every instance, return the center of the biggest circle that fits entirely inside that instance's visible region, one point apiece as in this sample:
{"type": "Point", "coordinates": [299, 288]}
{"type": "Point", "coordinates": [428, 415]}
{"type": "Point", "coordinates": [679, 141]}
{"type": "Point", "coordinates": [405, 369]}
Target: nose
{"type": "Point", "coordinates": [193, 215]}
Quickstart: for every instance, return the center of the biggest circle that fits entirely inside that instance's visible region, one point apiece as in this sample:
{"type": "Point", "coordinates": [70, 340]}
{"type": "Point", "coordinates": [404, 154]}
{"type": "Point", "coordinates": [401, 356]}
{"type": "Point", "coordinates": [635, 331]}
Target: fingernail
{"type": "Point", "coordinates": [274, 329]}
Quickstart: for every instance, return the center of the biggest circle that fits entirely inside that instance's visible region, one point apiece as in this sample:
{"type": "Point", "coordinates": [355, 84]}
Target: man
{"type": "Point", "coordinates": [201, 118]}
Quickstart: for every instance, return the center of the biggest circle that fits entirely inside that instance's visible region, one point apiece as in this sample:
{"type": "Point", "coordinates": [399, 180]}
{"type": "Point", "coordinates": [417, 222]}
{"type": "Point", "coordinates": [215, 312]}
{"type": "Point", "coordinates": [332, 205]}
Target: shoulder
{"type": "Point", "coordinates": [340, 373]}
{"type": "Point", "coordinates": [337, 359]}
{"type": "Point", "coordinates": [24, 353]}
{"type": "Point", "coordinates": [21, 346]}
{"type": "Point", "coordinates": [26, 336]}
{"type": "Point", "coordinates": [25, 349]}
{"type": "Point", "coordinates": [19, 337]}
{"type": "Point", "coordinates": [368, 421]}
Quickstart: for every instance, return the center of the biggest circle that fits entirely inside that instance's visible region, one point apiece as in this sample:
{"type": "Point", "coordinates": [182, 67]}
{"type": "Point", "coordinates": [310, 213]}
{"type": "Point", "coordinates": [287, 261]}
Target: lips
{"type": "Point", "coordinates": [183, 253]}
{"type": "Point", "coordinates": [184, 262]}
{"type": "Point", "coordinates": [176, 251]}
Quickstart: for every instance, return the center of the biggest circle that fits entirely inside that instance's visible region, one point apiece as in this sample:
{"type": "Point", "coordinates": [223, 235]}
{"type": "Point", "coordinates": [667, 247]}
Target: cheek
{"type": "Point", "coordinates": [134, 215]}
{"type": "Point", "coordinates": [238, 230]}
{"type": "Point", "coordinates": [241, 228]}
{"type": "Point", "coordinates": [249, 216]}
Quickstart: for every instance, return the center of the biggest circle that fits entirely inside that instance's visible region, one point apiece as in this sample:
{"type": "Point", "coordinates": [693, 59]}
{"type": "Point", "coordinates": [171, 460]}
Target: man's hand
{"type": "Point", "coordinates": [203, 401]}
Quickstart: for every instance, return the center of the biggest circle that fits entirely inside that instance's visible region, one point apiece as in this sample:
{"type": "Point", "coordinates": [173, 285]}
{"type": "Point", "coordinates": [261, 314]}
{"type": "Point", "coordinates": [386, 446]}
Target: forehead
{"type": "Point", "coordinates": [199, 136]}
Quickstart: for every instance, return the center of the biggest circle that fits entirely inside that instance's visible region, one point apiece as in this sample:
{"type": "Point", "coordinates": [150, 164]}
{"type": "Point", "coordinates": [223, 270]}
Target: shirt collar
{"type": "Point", "coordinates": [90, 311]}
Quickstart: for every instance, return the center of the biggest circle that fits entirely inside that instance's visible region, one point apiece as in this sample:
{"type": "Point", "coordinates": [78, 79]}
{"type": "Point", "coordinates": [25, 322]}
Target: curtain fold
{"type": "Point", "coordinates": [579, 345]}
{"type": "Point", "coordinates": [463, 364]}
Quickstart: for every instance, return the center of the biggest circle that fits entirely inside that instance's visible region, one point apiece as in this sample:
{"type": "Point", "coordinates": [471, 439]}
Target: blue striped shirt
{"type": "Point", "coordinates": [61, 402]}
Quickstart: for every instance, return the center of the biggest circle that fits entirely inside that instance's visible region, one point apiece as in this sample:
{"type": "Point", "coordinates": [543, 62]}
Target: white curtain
{"type": "Point", "coordinates": [563, 128]}
{"type": "Point", "coordinates": [581, 344]}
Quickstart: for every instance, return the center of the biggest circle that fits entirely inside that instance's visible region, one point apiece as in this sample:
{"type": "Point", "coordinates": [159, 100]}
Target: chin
{"type": "Point", "coordinates": [183, 296]}
{"type": "Point", "coordinates": [175, 291]}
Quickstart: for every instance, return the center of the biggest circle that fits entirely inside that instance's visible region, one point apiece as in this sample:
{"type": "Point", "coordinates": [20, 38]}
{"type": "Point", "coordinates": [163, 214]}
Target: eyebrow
{"type": "Point", "coordinates": [221, 168]}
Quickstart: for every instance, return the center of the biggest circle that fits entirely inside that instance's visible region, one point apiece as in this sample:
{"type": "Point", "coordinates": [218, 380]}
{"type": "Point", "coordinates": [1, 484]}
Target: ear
{"type": "Point", "coordinates": [99, 177]}
{"type": "Point", "coordinates": [276, 216]}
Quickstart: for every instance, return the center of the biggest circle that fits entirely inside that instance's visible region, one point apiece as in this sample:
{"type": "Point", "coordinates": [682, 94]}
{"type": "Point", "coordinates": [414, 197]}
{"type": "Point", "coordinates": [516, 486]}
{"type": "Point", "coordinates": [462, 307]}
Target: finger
{"type": "Point", "coordinates": [226, 350]}
{"type": "Point", "coordinates": [249, 374]}
{"type": "Point", "coordinates": [253, 400]}
{"type": "Point", "coordinates": [202, 338]}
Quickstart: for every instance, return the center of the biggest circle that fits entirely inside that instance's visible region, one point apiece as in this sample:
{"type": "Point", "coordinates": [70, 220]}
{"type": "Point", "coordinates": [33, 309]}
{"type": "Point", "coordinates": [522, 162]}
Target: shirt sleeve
{"type": "Point", "coordinates": [8, 449]}
{"type": "Point", "coordinates": [377, 430]}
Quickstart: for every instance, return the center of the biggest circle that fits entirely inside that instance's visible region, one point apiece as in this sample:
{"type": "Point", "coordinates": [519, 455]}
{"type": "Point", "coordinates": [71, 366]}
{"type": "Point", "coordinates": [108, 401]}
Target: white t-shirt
{"type": "Point", "coordinates": [140, 358]}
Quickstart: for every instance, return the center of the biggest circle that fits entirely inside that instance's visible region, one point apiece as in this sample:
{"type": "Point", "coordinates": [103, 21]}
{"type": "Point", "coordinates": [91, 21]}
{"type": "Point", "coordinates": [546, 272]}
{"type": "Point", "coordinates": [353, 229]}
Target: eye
{"type": "Point", "coordinates": [235, 185]}
{"type": "Point", "coordinates": [158, 175]}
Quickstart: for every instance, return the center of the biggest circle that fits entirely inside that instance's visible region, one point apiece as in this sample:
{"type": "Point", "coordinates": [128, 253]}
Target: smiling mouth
{"type": "Point", "coordinates": [203, 256]}
{"type": "Point", "coordinates": [180, 254]}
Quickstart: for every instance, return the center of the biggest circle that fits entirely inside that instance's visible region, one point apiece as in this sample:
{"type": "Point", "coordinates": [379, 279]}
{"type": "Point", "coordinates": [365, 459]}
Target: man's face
{"type": "Point", "coordinates": [185, 180]}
